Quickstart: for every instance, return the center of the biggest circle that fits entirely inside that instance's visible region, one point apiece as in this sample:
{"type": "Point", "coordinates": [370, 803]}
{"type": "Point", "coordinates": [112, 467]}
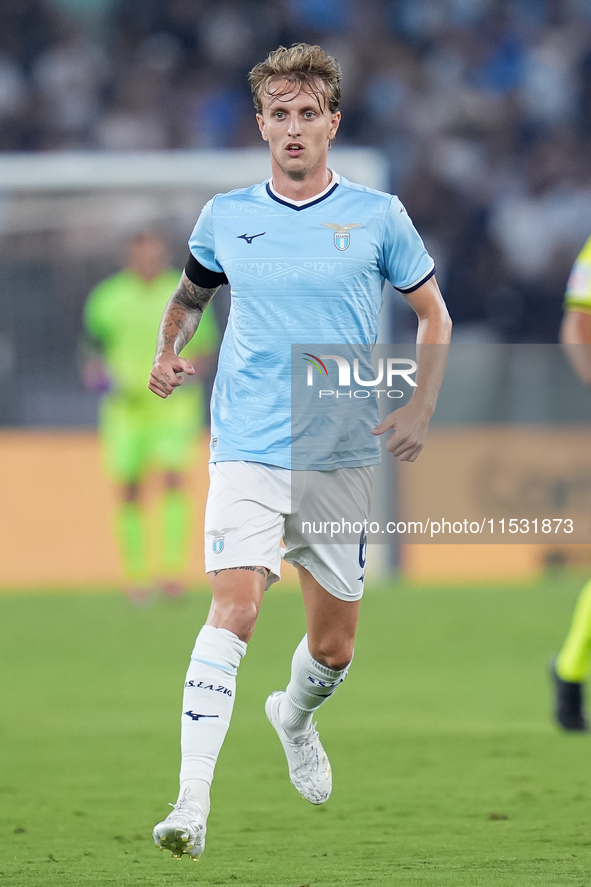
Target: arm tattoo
{"type": "Point", "coordinates": [183, 314]}
{"type": "Point", "coordinates": [262, 570]}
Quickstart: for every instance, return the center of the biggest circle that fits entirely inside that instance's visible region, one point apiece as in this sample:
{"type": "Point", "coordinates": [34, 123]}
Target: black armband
{"type": "Point", "coordinates": [406, 290]}
{"type": "Point", "coordinates": [202, 276]}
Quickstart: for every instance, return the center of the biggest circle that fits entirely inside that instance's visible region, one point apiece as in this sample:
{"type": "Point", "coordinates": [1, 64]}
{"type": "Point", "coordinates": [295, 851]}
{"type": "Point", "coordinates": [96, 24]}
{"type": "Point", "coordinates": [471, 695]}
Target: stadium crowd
{"type": "Point", "coordinates": [483, 108]}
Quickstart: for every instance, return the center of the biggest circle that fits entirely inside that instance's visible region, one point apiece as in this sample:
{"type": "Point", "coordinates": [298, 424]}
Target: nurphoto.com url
{"type": "Point", "coordinates": [500, 526]}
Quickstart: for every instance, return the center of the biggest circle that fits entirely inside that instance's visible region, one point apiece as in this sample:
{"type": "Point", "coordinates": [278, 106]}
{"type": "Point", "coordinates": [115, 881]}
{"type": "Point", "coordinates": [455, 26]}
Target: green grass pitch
{"type": "Point", "coordinates": [447, 767]}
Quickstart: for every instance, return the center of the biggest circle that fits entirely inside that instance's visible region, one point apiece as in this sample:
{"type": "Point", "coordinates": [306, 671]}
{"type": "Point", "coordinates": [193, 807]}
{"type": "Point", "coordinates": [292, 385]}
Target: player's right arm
{"type": "Point", "coordinates": [178, 326]}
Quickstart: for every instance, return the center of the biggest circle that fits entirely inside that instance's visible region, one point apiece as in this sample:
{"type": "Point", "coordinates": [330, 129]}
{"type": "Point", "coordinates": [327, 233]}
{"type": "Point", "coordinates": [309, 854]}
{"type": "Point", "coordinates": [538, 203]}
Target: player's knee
{"type": "Point", "coordinates": [245, 614]}
{"type": "Point", "coordinates": [237, 617]}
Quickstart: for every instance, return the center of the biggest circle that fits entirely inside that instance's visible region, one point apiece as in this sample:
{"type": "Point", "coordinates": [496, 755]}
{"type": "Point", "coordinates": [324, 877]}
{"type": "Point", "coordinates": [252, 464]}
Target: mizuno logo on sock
{"type": "Point", "coordinates": [195, 717]}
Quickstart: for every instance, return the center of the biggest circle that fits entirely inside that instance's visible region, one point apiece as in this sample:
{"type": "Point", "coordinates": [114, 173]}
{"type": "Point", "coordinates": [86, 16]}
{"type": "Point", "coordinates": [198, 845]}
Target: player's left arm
{"type": "Point", "coordinates": [575, 337]}
{"type": "Point", "coordinates": [409, 424]}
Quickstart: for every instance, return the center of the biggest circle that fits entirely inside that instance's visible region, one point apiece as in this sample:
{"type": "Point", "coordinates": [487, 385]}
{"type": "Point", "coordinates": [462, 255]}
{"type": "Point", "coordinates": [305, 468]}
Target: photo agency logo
{"type": "Point", "coordinates": [389, 372]}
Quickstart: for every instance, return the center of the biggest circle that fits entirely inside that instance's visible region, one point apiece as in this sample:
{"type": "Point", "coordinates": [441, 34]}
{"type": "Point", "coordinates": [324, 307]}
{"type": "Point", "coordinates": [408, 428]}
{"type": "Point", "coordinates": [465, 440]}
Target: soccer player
{"type": "Point", "coordinates": [571, 666]}
{"type": "Point", "coordinates": [306, 254]}
{"type": "Point", "coordinates": [140, 433]}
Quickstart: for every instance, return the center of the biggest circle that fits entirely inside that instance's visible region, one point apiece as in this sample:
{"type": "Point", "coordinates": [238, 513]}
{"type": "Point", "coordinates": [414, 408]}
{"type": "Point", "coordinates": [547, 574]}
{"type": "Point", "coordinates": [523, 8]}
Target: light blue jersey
{"type": "Point", "coordinates": [311, 272]}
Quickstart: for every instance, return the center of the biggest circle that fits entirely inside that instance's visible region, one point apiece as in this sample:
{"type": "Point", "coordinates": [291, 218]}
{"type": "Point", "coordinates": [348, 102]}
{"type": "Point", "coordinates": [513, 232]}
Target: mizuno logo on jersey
{"type": "Point", "coordinates": [342, 238]}
{"type": "Point", "coordinates": [249, 237]}
{"type": "Point", "coordinates": [195, 717]}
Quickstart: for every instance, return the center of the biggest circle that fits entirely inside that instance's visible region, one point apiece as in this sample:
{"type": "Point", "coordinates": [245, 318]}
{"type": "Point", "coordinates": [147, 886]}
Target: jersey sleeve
{"type": "Point", "coordinates": [578, 289]}
{"type": "Point", "coordinates": [404, 261]}
{"type": "Point", "coordinates": [202, 240]}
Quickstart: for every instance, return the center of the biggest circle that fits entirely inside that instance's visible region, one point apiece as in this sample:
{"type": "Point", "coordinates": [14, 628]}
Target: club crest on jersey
{"type": "Point", "coordinates": [342, 237]}
{"type": "Point", "coordinates": [219, 538]}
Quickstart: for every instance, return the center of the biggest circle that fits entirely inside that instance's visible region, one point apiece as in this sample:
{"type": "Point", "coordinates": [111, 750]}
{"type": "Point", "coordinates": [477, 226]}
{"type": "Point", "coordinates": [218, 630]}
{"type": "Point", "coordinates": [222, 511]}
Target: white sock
{"type": "Point", "coordinates": [310, 685]}
{"type": "Point", "coordinates": [208, 700]}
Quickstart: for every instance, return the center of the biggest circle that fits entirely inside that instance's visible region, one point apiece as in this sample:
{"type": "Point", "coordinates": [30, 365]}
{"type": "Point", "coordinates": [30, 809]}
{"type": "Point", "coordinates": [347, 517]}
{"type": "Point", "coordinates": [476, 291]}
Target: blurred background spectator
{"type": "Point", "coordinates": [482, 108]}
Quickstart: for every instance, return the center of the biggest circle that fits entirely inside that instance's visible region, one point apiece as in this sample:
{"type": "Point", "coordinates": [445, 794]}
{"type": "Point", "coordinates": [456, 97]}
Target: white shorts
{"type": "Point", "coordinates": [251, 507]}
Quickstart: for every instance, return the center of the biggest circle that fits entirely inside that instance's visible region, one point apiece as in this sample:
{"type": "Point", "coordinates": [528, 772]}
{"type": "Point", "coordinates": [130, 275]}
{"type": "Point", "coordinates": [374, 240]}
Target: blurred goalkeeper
{"type": "Point", "coordinates": [139, 433]}
{"type": "Point", "coordinates": [571, 666]}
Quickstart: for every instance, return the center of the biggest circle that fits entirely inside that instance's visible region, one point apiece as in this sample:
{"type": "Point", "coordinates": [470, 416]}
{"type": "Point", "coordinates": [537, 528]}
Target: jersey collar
{"type": "Point", "coordinates": [311, 201]}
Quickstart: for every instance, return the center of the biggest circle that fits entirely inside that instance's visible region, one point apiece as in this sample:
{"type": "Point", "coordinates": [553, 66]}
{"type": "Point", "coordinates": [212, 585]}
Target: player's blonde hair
{"type": "Point", "coordinates": [303, 66]}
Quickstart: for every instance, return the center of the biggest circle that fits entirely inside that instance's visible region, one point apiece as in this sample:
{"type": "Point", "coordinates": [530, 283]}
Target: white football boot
{"type": "Point", "coordinates": [183, 830]}
{"type": "Point", "coordinates": [309, 767]}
